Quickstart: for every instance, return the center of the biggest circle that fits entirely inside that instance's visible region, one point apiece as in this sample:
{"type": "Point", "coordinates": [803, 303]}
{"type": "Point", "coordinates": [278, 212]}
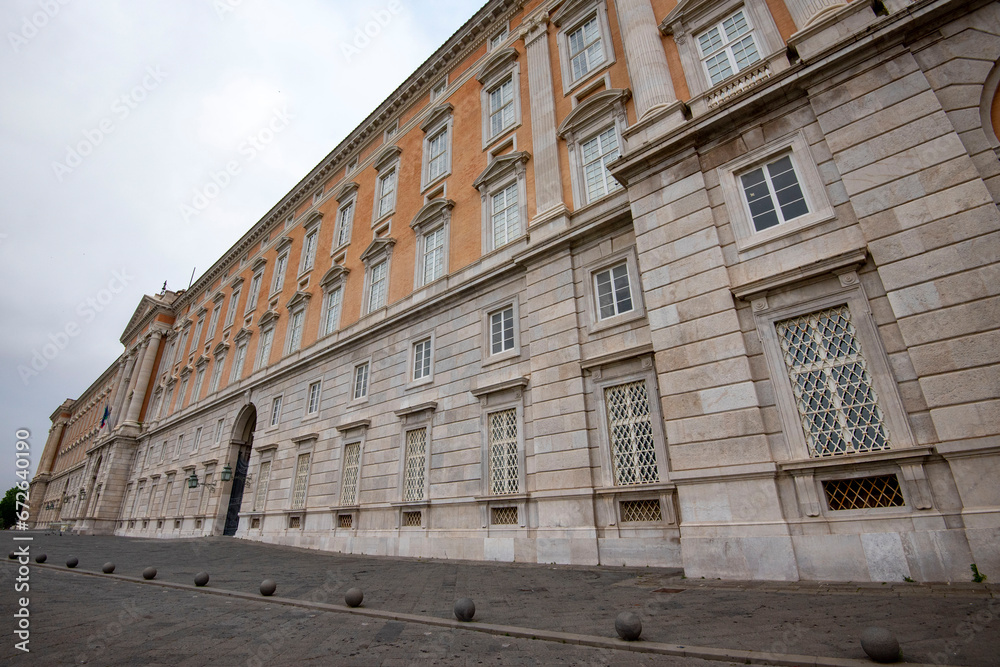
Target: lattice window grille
{"type": "Point", "coordinates": [416, 452]}
{"type": "Point", "coordinates": [301, 477]}
{"type": "Point", "coordinates": [503, 452]}
{"type": "Point", "coordinates": [503, 516]}
{"type": "Point", "coordinates": [345, 520]}
{"type": "Point", "coordinates": [255, 522]}
{"type": "Point", "coordinates": [294, 522]}
{"type": "Point", "coordinates": [352, 455]}
{"type": "Point", "coordinates": [640, 510]}
{"type": "Point", "coordinates": [411, 519]}
{"type": "Point", "coordinates": [630, 429]}
{"type": "Point", "coordinates": [260, 493]}
{"type": "Point", "coordinates": [863, 493]}
{"type": "Point", "coordinates": [833, 390]}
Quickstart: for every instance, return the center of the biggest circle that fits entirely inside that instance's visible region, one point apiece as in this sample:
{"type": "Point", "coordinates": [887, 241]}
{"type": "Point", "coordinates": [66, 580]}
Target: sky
{"type": "Point", "coordinates": [116, 119]}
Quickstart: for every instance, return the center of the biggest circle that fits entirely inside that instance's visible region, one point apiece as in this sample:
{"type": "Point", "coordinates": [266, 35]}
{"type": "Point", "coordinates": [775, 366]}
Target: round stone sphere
{"type": "Point", "coordinates": [628, 625]}
{"type": "Point", "coordinates": [267, 587]}
{"type": "Point", "coordinates": [880, 645]}
{"type": "Point", "coordinates": [353, 597]}
{"type": "Point", "coordinates": [12, 556]}
{"type": "Point", "coordinates": [41, 558]}
{"type": "Point", "coordinates": [465, 609]}
{"type": "Point", "coordinates": [108, 568]}
{"type": "Point", "coordinates": [72, 561]}
{"type": "Point", "coordinates": [201, 579]}
{"type": "Point", "coordinates": [149, 573]}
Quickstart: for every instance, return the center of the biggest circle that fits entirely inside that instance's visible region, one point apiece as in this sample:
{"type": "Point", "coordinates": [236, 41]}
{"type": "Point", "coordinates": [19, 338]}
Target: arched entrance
{"type": "Point", "coordinates": [243, 430]}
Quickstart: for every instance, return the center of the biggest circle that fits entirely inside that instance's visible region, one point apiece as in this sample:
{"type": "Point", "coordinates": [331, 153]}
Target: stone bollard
{"type": "Point", "coordinates": [465, 609]}
{"type": "Point", "coordinates": [108, 568]}
{"type": "Point", "coordinates": [880, 645]}
{"type": "Point", "coordinates": [628, 625]}
{"type": "Point", "coordinates": [72, 561]}
{"type": "Point", "coordinates": [267, 587]}
{"type": "Point", "coordinates": [201, 579]}
{"type": "Point", "coordinates": [41, 558]}
{"type": "Point", "coordinates": [353, 597]}
{"type": "Point", "coordinates": [149, 573]}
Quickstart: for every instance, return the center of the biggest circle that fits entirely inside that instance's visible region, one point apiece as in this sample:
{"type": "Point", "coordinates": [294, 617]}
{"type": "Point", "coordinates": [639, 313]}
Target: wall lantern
{"type": "Point", "coordinates": [227, 473]}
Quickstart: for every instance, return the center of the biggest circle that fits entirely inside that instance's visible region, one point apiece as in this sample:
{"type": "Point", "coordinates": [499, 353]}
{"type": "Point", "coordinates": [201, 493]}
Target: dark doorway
{"type": "Point", "coordinates": [243, 433]}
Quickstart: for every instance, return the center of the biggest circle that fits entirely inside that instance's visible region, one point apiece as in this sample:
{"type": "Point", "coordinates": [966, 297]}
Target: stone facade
{"type": "Point", "coordinates": [707, 284]}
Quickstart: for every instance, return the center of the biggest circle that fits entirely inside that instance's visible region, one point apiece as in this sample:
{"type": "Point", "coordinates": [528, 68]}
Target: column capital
{"type": "Point", "coordinates": [534, 27]}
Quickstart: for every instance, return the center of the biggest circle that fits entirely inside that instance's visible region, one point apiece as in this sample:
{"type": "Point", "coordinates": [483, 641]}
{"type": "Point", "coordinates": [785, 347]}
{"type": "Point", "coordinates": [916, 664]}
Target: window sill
{"type": "Point", "coordinates": [500, 357]}
{"type": "Point", "coordinates": [437, 181]}
{"type": "Point", "coordinates": [588, 78]}
{"type": "Point", "coordinates": [757, 239]}
{"type": "Point", "coordinates": [503, 134]}
{"type": "Point", "coordinates": [616, 320]}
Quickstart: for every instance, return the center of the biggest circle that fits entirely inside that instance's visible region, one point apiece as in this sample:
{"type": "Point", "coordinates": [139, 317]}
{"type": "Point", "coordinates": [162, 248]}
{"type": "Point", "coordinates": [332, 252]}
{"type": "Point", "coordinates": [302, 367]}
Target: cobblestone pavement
{"type": "Point", "coordinates": [79, 619]}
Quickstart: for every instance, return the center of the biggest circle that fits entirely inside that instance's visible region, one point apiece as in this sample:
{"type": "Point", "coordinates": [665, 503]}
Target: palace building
{"type": "Point", "coordinates": [710, 284]}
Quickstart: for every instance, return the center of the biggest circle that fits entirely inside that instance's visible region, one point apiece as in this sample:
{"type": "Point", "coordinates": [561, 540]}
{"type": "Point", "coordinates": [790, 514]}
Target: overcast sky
{"type": "Point", "coordinates": [113, 115]}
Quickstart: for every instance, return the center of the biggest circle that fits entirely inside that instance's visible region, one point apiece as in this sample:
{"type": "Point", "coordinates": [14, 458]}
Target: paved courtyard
{"type": "Point", "coordinates": [84, 617]}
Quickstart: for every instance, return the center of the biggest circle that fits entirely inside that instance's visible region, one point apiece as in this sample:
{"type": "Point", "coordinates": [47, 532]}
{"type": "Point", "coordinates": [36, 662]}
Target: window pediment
{"type": "Point", "coordinates": [433, 211]}
{"type": "Point", "coordinates": [569, 11]}
{"type": "Point", "coordinates": [242, 335]}
{"type": "Point", "coordinates": [436, 116]}
{"type": "Point", "coordinates": [345, 191]}
{"type": "Point", "coordinates": [285, 243]}
{"type": "Point", "coordinates": [267, 318]}
{"type": "Point", "coordinates": [220, 348]}
{"type": "Point", "coordinates": [336, 272]}
{"type": "Point", "coordinates": [501, 166]}
{"type": "Point", "coordinates": [297, 299]}
{"type": "Point", "coordinates": [593, 108]}
{"type": "Point", "coordinates": [376, 247]}
{"type": "Point", "coordinates": [236, 282]}
{"type": "Point", "coordinates": [386, 157]}
{"type": "Point", "coordinates": [313, 220]}
{"type": "Point", "coordinates": [496, 64]}
{"type": "Point", "coordinates": [259, 265]}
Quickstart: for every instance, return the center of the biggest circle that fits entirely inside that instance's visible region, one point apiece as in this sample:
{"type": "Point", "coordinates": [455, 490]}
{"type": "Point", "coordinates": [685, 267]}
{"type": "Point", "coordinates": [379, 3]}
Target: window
{"type": "Point", "coordinates": [331, 309]}
{"type": "Point", "coordinates": [728, 47]}
{"type": "Point", "coordinates": [630, 432]}
{"type": "Point", "coordinates": [275, 410]}
{"type": "Point", "coordinates": [439, 89]}
{"type": "Point", "coordinates": [264, 348]}
{"type": "Point", "coordinates": [279, 273]}
{"type": "Point", "coordinates": [500, 95]}
{"type": "Point", "coordinates": [217, 372]}
{"type": "Point", "coordinates": [352, 468]}
{"type": "Point", "coordinates": [502, 330]}
{"type": "Point", "coordinates": [596, 153]}
{"type": "Point", "coordinates": [301, 482]}
{"type": "Point", "coordinates": [586, 50]}
{"type": "Point", "coordinates": [773, 182]}
{"type": "Point", "coordinates": [309, 250]}
{"type": "Point", "coordinates": [206, 494]}
{"type": "Point", "coordinates": [378, 285]}
{"type": "Point", "coordinates": [505, 216]}
{"type": "Point", "coordinates": [179, 447]}
{"type": "Point", "coordinates": [503, 457]}
{"type": "Point", "coordinates": [433, 255]}
{"type": "Point", "coordinates": [182, 391]}
{"type": "Point", "coordinates": [501, 109]}
{"type": "Point", "coordinates": [614, 294]}
{"type": "Point", "coordinates": [422, 359]}
{"type": "Point", "coordinates": [167, 492]}
{"type": "Point", "coordinates": [391, 130]}
{"type": "Point", "coordinates": [197, 440]}
{"type": "Point", "coordinates": [361, 381]}
{"type": "Point", "coordinates": [317, 196]}
{"type": "Point", "coordinates": [386, 202]}
{"type": "Point", "coordinates": [584, 40]}
{"type": "Point", "coordinates": [163, 450]}
{"type": "Point", "coordinates": [312, 403]}
{"type": "Point", "coordinates": [352, 165]}
{"type": "Point", "coordinates": [199, 378]}
{"type": "Point", "coordinates": [502, 188]}
{"type": "Point", "coordinates": [196, 341]}
{"type": "Point", "coordinates": [238, 361]}
{"type": "Point", "coordinates": [234, 300]}
{"type": "Point", "coordinates": [498, 39]}
{"type": "Point", "coordinates": [437, 155]}
{"type": "Point", "coordinates": [181, 347]}
{"type": "Point", "coordinates": [863, 493]}
{"type": "Point", "coordinates": [295, 330]}
{"type": "Point", "coordinates": [833, 390]}
{"type": "Point", "coordinates": [260, 492]}
{"type": "Point", "coordinates": [219, 425]}
{"type": "Point", "coordinates": [773, 191]}
{"type": "Point", "coordinates": [416, 452]}
{"type": "Point", "coordinates": [214, 322]}
{"type": "Point", "coordinates": [345, 220]}
{"type": "Point", "coordinates": [254, 291]}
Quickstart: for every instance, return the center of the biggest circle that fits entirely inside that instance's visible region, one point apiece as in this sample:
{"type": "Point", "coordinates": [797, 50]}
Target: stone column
{"type": "Point", "coordinates": [545, 146]}
{"type": "Point", "coordinates": [648, 72]}
{"type": "Point", "coordinates": [129, 384]}
{"type": "Point", "coordinates": [113, 398]}
{"type": "Point", "coordinates": [142, 378]}
{"type": "Point", "coordinates": [803, 11]}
